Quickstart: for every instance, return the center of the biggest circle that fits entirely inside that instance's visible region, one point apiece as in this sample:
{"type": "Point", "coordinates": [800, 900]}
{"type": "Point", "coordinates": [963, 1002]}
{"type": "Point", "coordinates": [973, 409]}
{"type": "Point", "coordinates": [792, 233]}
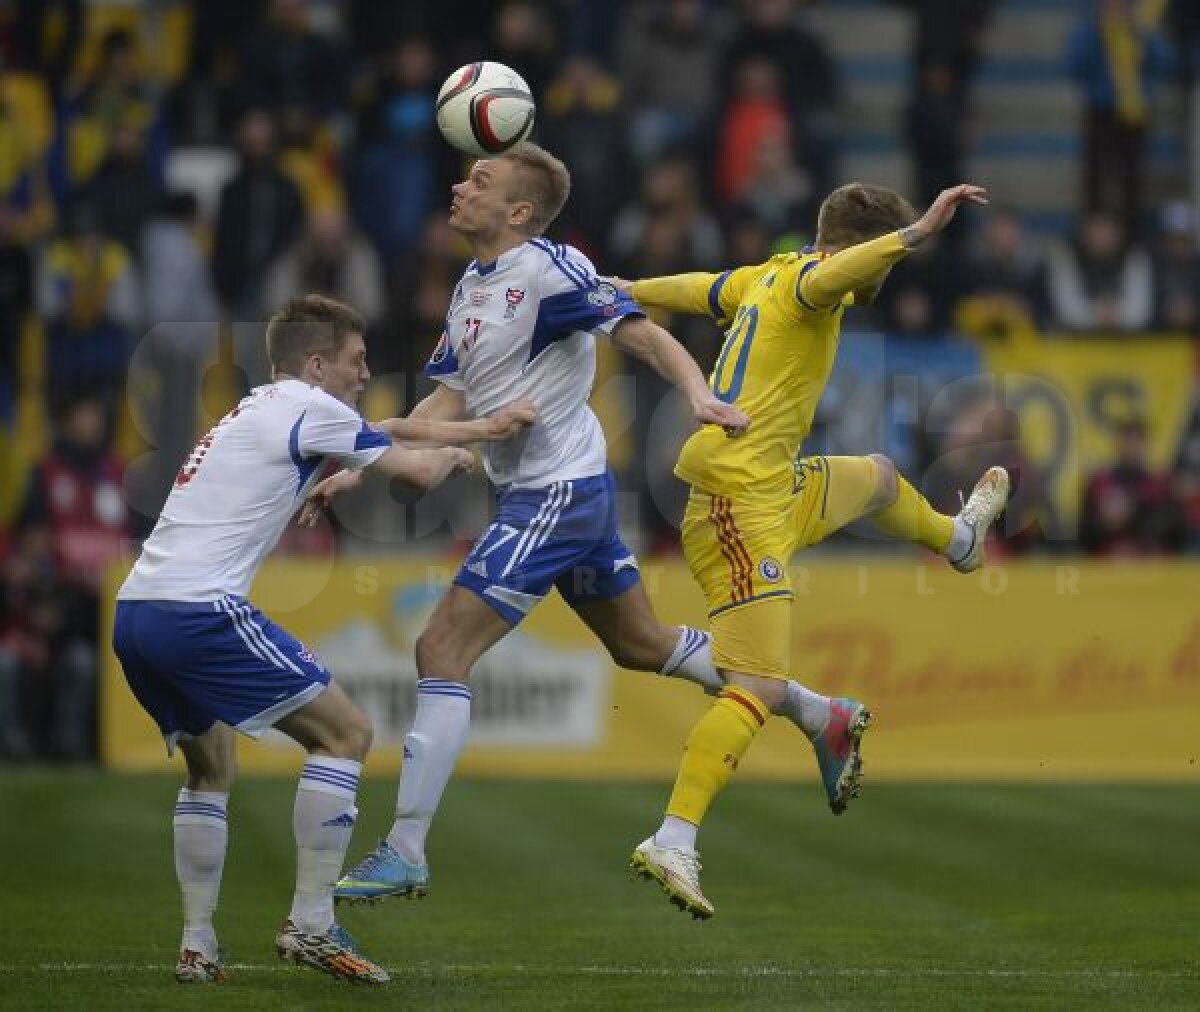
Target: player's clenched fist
{"type": "Point", "coordinates": [511, 419]}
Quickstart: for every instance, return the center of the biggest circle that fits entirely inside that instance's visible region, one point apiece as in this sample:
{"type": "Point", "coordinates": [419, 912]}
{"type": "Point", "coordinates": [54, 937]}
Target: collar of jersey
{"type": "Point", "coordinates": [483, 270]}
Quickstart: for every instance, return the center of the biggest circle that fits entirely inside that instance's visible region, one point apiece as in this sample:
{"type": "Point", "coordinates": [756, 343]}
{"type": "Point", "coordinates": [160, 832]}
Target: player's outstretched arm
{"type": "Point", "coordinates": [421, 468]}
{"type": "Point", "coordinates": [677, 293]}
{"type": "Point", "coordinates": [649, 342]}
{"type": "Point", "coordinates": [508, 421]}
{"type": "Point", "coordinates": [862, 268]}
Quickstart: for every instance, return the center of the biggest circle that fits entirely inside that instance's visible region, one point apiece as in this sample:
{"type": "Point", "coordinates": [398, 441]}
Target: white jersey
{"type": "Point", "coordinates": [522, 327]}
{"type": "Point", "coordinates": [234, 495]}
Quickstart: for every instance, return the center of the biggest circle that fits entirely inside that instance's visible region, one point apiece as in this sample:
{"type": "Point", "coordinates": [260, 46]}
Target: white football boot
{"type": "Point", "coordinates": [677, 871]}
{"type": "Point", "coordinates": [987, 501]}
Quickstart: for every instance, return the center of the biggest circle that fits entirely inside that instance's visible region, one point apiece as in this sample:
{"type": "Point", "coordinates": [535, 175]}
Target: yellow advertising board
{"type": "Point", "coordinates": [1024, 671]}
{"type": "Point", "coordinates": [1071, 393]}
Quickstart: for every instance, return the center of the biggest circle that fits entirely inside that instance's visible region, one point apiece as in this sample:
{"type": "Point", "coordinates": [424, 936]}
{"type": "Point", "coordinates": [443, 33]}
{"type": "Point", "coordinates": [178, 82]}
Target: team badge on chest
{"type": "Point", "coordinates": [514, 297]}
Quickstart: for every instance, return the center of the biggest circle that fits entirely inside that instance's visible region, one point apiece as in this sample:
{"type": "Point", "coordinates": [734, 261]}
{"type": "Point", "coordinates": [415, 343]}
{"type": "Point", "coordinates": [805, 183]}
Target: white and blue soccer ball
{"type": "Point", "coordinates": [485, 108]}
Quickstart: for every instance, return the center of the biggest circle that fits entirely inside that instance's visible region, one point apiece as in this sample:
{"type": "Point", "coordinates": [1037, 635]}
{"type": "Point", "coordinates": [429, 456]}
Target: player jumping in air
{"type": "Point", "coordinates": [754, 501]}
{"type": "Point", "coordinates": [204, 662]}
{"type": "Point", "coordinates": [522, 324]}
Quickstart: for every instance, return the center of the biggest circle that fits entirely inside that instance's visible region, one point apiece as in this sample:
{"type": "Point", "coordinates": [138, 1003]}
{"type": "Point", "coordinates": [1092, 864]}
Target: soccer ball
{"type": "Point", "coordinates": [485, 108]}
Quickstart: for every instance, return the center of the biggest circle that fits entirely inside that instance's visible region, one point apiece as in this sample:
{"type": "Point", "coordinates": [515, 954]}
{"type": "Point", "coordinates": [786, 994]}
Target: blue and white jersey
{"type": "Point", "coordinates": [237, 490]}
{"type": "Point", "coordinates": [523, 327]}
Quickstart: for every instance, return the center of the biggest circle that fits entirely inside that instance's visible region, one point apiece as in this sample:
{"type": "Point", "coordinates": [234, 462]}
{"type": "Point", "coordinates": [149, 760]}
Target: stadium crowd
{"type": "Point", "coordinates": [170, 172]}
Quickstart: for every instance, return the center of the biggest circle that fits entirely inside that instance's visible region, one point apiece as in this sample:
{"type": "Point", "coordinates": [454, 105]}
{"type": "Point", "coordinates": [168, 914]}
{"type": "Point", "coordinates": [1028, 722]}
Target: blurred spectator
{"type": "Point", "coordinates": [749, 241]}
{"type": "Point", "coordinates": [46, 38]}
{"type": "Point", "coordinates": [375, 28]}
{"type": "Point", "coordinates": [287, 68]}
{"type": "Point", "coordinates": [420, 285]}
{"type": "Point", "coordinates": [919, 296]}
{"type": "Point", "coordinates": [1004, 279]}
{"type": "Point", "coordinates": [805, 77]}
{"type": "Point", "coordinates": [24, 184]}
{"type": "Point", "coordinates": [1128, 508]}
{"type": "Point", "coordinates": [331, 259]}
{"type": "Point", "coordinates": [669, 75]}
{"type": "Point", "coordinates": [29, 620]}
{"type": "Point", "coordinates": [181, 320]}
{"type": "Point", "coordinates": [126, 191]}
{"type": "Point", "coordinates": [259, 214]}
{"type": "Point", "coordinates": [582, 123]}
{"type": "Point", "coordinates": [1116, 57]}
{"type": "Point", "coordinates": [754, 110]}
{"type": "Point", "coordinates": [669, 190]}
{"type": "Point", "coordinates": [401, 159]}
{"type": "Point", "coordinates": [947, 42]}
{"type": "Point", "coordinates": [204, 104]}
{"type": "Point", "coordinates": [1177, 271]}
{"type": "Point", "coordinates": [16, 301]}
{"type": "Point", "coordinates": [87, 292]}
{"type": "Point", "coordinates": [777, 192]}
{"type": "Point", "coordinates": [524, 37]}
{"type": "Point", "coordinates": [76, 524]}
{"type": "Point", "coordinates": [1183, 18]}
{"type": "Point", "coordinates": [1097, 281]}
{"type": "Point", "coordinates": [116, 98]}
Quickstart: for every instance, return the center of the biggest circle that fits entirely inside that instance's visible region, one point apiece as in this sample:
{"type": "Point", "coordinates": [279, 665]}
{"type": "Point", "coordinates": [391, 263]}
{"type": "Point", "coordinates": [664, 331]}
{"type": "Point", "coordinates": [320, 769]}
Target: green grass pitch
{"type": "Point", "coordinates": [921, 896]}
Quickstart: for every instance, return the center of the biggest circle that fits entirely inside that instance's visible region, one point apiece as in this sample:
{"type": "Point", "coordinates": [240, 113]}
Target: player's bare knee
{"type": "Point", "coordinates": [886, 486]}
{"type": "Point", "coordinates": [644, 646]}
{"type": "Point", "coordinates": [436, 654]}
{"type": "Point", "coordinates": [358, 737]}
{"type": "Point", "coordinates": [350, 739]}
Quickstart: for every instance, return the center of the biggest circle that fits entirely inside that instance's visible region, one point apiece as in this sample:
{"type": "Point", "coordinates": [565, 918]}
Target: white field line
{"type": "Point", "coordinates": [472, 969]}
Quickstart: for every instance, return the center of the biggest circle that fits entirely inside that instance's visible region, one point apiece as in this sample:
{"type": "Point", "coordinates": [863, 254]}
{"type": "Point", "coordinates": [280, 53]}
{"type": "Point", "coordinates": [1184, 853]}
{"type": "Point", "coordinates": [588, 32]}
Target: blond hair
{"type": "Point", "coordinates": [858, 212]}
{"type": "Point", "coordinates": [306, 325]}
{"type": "Point", "coordinates": [541, 179]}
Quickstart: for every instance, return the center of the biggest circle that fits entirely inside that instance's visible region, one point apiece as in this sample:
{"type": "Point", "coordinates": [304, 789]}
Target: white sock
{"type": "Point", "coordinates": [808, 710]}
{"type": "Point", "coordinates": [431, 749]}
{"type": "Point", "coordinates": [692, 659]}
{"type": "Point", "coordinates": [201, 836]}
{"type": "Point", "coordinates": [677, 833]}
{"type": "Point", "coordinates": [323, 820]}
{"type": "Point", "coordinates": [961, 541]}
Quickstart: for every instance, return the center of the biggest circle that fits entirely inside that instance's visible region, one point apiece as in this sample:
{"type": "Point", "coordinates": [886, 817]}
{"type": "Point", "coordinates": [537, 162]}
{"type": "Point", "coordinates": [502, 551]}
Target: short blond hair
{"type": "Point", "coordinates": [541, 179]}
{"type": "Point", "coordinates": [308, 324]}
{"type": "Point", "coordinates": [857, 212]}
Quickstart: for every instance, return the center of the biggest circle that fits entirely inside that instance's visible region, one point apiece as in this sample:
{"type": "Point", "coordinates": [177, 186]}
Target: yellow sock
{"type": "Point", "coordinates": [911, 518]}
{"type": "Point", "coordinates": [714, 748]}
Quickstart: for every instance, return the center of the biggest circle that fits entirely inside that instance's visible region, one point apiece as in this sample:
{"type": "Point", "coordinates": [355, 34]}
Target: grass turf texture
{"type": "Point", "coordinates": [919, 897]}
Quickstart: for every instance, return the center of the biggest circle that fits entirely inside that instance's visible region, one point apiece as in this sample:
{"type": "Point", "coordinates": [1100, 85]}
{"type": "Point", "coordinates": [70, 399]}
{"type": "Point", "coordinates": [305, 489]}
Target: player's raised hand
{"type": "Point", "coordinates": [511, 419]}
{"type": "Point", "coordinates": [323, 494]}
{"type": "Point", "coordinates": [942, 211]}
{"type": "Point", "coordinates": [711, 410]}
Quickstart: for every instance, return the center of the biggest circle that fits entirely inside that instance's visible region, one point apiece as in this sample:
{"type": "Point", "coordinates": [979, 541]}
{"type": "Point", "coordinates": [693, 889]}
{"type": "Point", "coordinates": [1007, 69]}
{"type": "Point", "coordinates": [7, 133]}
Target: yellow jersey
{"type": "Point", "coordinates": [783, 322]}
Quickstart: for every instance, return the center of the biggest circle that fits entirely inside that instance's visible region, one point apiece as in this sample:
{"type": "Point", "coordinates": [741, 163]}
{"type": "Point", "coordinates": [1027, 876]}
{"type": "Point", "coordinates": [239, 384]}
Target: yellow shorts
{"type": "Point", "coordinates": [738, 551]}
